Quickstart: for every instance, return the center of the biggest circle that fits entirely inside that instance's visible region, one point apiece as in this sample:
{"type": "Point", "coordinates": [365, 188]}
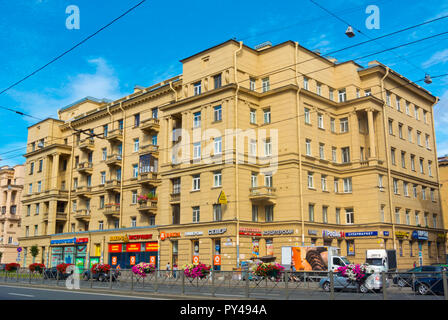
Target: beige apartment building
{"type": "Point", "coordinates": [247, 151]}
{"type": "Point", "coordinates": [11, 185]}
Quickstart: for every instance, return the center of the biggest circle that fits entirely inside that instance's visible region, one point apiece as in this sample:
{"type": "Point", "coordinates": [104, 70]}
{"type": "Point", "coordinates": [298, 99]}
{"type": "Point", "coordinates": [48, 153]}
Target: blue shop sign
{"type": "Point", "coordinates": [361, 234]}
{"type": "Point", "coordinates": [420, 235]}
{"type": "Point", "coordinates": [386, 233]}
{"type": "Point", "coordinates": [63, 241]}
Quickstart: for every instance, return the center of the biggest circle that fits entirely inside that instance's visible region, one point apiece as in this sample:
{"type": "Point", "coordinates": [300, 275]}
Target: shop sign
{"type": "Point", "coordinates": [277, 232]}
{"type": "Point", "coordinates": [152, 246]}
{"type": "Point", "coordinates": [362, 234]}
{"type": "Point", "coordinates": [312, 232]}
{"type": "Point", "coordinates": [386, 233]}
{"type": "Point", "coordinates": [217, 231]}
{"type": "Point", "coordinates": [193, 233]}
{"type": "Point", "coordinates": [63, 241]}
{"type": "Point", "coordinates": [133, 247]}
{"type": "Point", "coordinates": [152, 260]}
{"type": "Point", "coordinates": [115, 248]}
{"type": "Point", "coordinates": [402, 235]}
{"type": "Point", "coordinates": [420, 235]}
{"type": "Point", "coordinates": [255, 248]}
{"type": "Point", "coordinates": [114, 261]}
{"type": "Point", "coordinates": [195, 259]}
{"type": "Point", "coordinates": [250, 232]}
{"type": "Point", "coordinates": [441, 236]}
{"type": "Point", "coordinates": [164, 235]}
{"type": "Point", "coordinates": [119, 238]}
{"type": "Point", "coordinates": [217, 260]}
{"type": "Point", "coordinates": [132, 260]}
{"type": "Point", "coordinates": [82, 240]}
{"type": "Point", "coordinates": [332, 234]}
{"type": "Point", "coordinates": [140, 237]}
{"type": "Point", "coordinates": [228, 242]}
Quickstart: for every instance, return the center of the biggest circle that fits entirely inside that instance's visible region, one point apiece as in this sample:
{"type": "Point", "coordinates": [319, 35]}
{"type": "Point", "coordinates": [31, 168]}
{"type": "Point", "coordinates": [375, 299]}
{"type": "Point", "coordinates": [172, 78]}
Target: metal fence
{"type": "Point", "coordinates": [244, 284]}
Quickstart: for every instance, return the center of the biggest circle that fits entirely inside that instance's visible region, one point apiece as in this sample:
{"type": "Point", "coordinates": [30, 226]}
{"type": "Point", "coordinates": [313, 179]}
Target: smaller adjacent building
{"type": "Point", "coordinates": [11, 186]}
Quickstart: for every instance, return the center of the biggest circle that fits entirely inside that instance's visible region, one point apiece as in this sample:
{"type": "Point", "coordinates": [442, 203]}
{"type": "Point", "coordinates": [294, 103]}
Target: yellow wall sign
{"type": "Point", "coordinates": [222, 199]}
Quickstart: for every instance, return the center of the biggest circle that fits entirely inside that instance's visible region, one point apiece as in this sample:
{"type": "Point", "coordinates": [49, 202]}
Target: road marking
{"type": "Point", "coordinates": [20, 294]}
{"type": "Point", "coordinates": [91, 293]}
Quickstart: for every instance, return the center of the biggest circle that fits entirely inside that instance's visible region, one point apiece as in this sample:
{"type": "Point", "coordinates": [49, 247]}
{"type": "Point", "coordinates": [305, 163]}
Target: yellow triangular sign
{"type": "Point", "coordinates": [222, 199]}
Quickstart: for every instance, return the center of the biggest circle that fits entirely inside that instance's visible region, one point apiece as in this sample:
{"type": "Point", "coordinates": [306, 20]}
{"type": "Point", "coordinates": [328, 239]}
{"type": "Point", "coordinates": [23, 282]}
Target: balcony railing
{"type": "Point", "coordinates": [84, 191]}
{"type": "Point", "coordinates": [115, 135]}
{"type": "Point", "coordinates": [112, 185]}
{"type": "Point", "coordinates": [82, 214]}
{"type": "Point", "coordinates": [87, 144]}
{"type": "Point", "coordinates": [263, 193]}
{"type": "Point", "coordinates": [114, 159]}
{"type": "Point", "coordinates": [175, 197]}
{"type": "Point", "coordinates": [148, 178]}
{"type": "Point", "coordinates": [150, 124]}
{"type": "Point", "coordinates": [149, 148]}
{"type": "Point", "coordinates": [85, 167]}
{"type": "Point", "coordinates": [112, 209]}
{"type": "Point", "coordinates": [148, 206]}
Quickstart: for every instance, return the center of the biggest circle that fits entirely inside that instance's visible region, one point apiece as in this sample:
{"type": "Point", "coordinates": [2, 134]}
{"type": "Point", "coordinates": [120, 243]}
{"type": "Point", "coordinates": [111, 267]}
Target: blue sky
{"type": "Point", "coordinates": [145, 47]}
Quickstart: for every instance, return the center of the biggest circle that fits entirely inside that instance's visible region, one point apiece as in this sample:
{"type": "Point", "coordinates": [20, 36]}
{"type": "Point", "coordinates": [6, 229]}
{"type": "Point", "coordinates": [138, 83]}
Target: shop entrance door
{"type": "Point", "coordinates": [79, 264]}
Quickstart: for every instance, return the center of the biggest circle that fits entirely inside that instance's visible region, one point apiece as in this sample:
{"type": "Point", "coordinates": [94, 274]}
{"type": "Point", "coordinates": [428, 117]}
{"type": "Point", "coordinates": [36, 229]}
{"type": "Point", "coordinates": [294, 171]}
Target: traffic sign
{"type": "Point", "coordinates": [19, 249]}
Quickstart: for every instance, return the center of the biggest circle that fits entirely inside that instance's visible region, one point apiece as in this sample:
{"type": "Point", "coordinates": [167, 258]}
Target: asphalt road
{"type": "Point", "coordinates": [11, 292]}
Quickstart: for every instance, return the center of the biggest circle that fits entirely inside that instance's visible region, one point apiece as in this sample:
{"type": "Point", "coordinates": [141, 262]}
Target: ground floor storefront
{"type": "Point", "coordinates": [225, 245]}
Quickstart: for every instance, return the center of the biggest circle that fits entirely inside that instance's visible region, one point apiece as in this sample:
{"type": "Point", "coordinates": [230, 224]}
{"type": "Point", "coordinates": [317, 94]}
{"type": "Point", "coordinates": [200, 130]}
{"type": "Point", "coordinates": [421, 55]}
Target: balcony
{"type": "Point", "coordinates": [114, 160]}
{"type": "Point", "coordinates": [13, 217]}
{"type": "Point", "coordinates": [84, 192]}
{"type": "Point", "coordinates": [263, 193]}
{"type": "Point", "coordinates": [115, 135]}
{"type": "Point", "coordinates": [82, 215]}
{"type": "Point", "coordinates": [60, 216]}
{"type": "Point", "coordinates": [112, 185]}
{"type": "Point", "coordinates": [148, 207]}
{"type": "Point", "coordinates": [85, 167]}
{"type": "Point", "coordinates": [87, 144]}
{"type": "Point", "coordinates": [149, 148]}
{"type": "Point", "coordinates": [175, 197]}
{"type": "Point", "coordinates": [149, 178]}
{"type": "Point", "coordinates": [150, 124]}
{"type": "Point", "coordinates": [112, 210]}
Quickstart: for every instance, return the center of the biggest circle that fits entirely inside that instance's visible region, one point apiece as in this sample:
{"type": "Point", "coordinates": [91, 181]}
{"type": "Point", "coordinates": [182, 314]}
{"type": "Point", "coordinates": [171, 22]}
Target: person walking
{"type": "Point", "coordinates": [168, 268]}
{"type": "Point", "coordinates": [175, 270]}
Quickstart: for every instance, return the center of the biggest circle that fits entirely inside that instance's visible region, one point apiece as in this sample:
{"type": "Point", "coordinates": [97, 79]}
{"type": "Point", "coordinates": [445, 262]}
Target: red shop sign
{"type": "Point", "coordinates": [133, 247]}
{"type": "Point", "coordinates": [152, 246]}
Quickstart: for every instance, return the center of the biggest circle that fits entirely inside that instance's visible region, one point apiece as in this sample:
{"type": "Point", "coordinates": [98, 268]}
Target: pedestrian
{"type": "Point", "coordinates": [415, 264]}
{"type": "Point", "coordinates": [175, 270]}
{"type": "Point", "coordinates": [168, 270]}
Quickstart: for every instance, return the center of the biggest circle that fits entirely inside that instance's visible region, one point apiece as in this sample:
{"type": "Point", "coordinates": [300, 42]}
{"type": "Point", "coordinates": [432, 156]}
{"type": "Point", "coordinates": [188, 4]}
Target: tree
{"type": "Point", "coordinates": [1, 254]}
{"type": "Point", "coordinates": [34, 251]}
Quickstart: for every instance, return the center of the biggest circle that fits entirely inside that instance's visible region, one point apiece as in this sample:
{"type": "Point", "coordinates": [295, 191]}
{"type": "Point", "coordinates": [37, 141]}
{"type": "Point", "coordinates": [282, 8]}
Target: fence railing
{"type": "Point", "coordinates": [245, 284]}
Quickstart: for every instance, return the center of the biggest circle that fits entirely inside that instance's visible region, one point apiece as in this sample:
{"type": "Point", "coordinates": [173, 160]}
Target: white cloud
{"type": "Point", "coordinates": [438, 57]}
{"type": "Point", "coordinates": [101, 83]}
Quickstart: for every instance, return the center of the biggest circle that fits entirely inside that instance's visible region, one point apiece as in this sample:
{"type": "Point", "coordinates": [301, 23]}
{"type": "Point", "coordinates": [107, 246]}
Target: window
{"type": "Point", "coordinates": [252, 84]}
{"type": "Point", "coordinates": [265, 84]}
{"type": "Point", "coordinates": [388, 98]}
{"type": "Point", "coordinates": [176, 185]}
{"type": "Point", "coordinates": [133, 222]}
{"type": "Point", "coordinates": [333, 154]}
{"type": "Point", "coordinates": [426, 219]}
{"type": "Point", "coordinates": [120, 124]}
{"type": "Point", "coordinates": [397, 215]}
{"type": "Point", "coordinates": [417, 218]}
{"type": "Point", "coordinates": [217, 113]}
{"type": "Point", "coordinates": [412, 162]}
{"type": "Point", "coordinates": [31, 167]}
{"type": "Point", "coordinates": [217, 179]}
{"type": "Point", "coordinates": [89, 181]}
{"type": "Point", "coordinates": [135, 170]}
{"type": "Point", "coordinates": [254, 213]}
{"type": "Point", "coordinates": [349, 216]}
{"type": "Point", "coordinates": [253, 116]}
{"type": "Point", "coordinates": [320, 120]}
{"type": "Point", "coordinates": [338, 215]}
{"type": "Point", "coordinates": [319, 89]}
{"type": "Point", "coordinates": [395, 182]}
{"type": "Point", "coordinates": [307, 116]}
{"type": "Point", "coordinates": [391, 129]}
{"type": "Point", "coordinates": [347, 185]}
{"type": "Point", "coordinates": [426, 141]}
{"type": "Point", "coordinates": [421, 165]}
{"type": "Point", "coordinates": [74, 205]}
{"type": "Point", "coordinates": [136, 120]}
{"type": "Point", "coordinates": [102, 202]}
{"type": "Point", "coordinates": [367, 92]}
{"type": "Point", "coordinates": [332, 125]}
{"type": "Point", "coordinates": [217, 81]}
{"type": "Point", "coordinates": [103, 177]}
{"type": "Point", "coordinates": [324, 182]}
{"type": "Point", "coordinates": [196, 119]}
{"type": "Point", "coordinates": [267, 115]}
{"type": "Point", "coordinates": [380, 181]}
{"type": "Point", "coordinates": [305, 83]}
{"type": "Point", "coordinates": [196, 214]}
{"type": "Point", "coordinates": [37, 208]}
{"type": "Point", "coordinates": [344, 125]}
{"type": "Point", "coordinates": [217, 212]}
{"type": "Point", "coordinates": [217, 145]}
{"type": "Point", "coordinates": [28, 210]}
{"type": "Point", "coordinates": [154, 112]}
{"type": "Point", "coordinates": [35, 230]}
{"type": "Point", "coordinates": [410, 134]}
{"type": "Point", "coordinates": [336, 185]}
{"type": "Point", "coordinates": [345, 154]}
{"type": "Point", "coordinates": [419, 134]}
{"type": "Point", "coordinates": [382, 212]}
{"type": "Point", "coordinates": [324, 214]}
{"type": "Point", "coordinates": [105, 130]}
{"type": "Point", "coordinates": [118, 174]}
{"type": "Point", "coordinates": [75, 183]}
{"type": "Point", "coordinates": [416, 112]}
{"type": "Point", "coordinates": [310, 180]}
{"type": "Point", "coordinates": [268, 180]}
{"type": "Point", "coordinates": [39, 186]}
{"type": "Point", "coordinates": [196, 182]}
{"type": "Point", "coordinates": [434, 221]}
{"type": "Point", "coordinates": [30, 188]}
{"type": "Point", "coordinates": [392, 155]}
{"type": "Point", "coordinates": [197, 88]}
{"type": "Point", "coordinates": [425, 116]}
{"type": "Point", "coordinates": [398, 103]}
{"type": "Point", "coordinates": [331, 94]}
{"type": "Point", "coordinates": [429, 168]}
{"type": "Point", "coordinates": [414, 190]}
{"type": "Point", "coordinates": [405, 189]}
{"type": "Point", "coordinates": [253, 180]}
{"type": "Point", "coordinates": [136, 144]}
{"type": "Point", "coordinates": [403, 159]}
{"type": "Point", "coordinates": [40, 165]}
{"type": "Point", "coordinates": [357, 93]}
{"type": "Point", "coordinates": [308, 147]}
{"type": "Point", "coordinates": [197, 150]}
{"type": "Point", "coordinates": [311, 212]}
{"type": "Point", "coordinates": [269, 213]}
{"type": "Point", "coordinates": [408, 216]}
{"type": "Point", "coordinates": [104, 154]}
{"type": "Point", "coordinates": [253, 147]}
{"type": "Point", "coordinates": [424, 193]}
{"type": "Point", "coordinates": [431, 194]}
{"type": "Point", "coordinates": [408, 112]}
{"type": "Point", "coordinates": [321, 151]}
{"type": "Point", "coordinates": [341, 95]}
{"type": "Point", "coordinates": [267, 147]}
{"type": "Point", "coordinates": [400, 130]}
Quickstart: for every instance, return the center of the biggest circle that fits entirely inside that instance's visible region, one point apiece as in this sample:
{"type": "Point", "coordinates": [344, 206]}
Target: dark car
{"type": "Point", "coordinates": [101, 276]}
{"type": "Point", "coordinates": [53, 273]}
{"type": "Point", "coordinates": [429, 280]}
{"type": "Point", "coordinates": [404, 279]}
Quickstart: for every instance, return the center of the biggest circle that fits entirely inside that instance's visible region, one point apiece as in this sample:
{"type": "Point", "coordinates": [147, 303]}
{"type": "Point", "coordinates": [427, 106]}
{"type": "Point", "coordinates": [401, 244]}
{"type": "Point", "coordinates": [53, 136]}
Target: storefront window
{"type": "Point", "coordinates": [217, 243]}
{"type": "Point", "coordinates": [175, 252]}
{"type": "Point", "coordinates": [350, 247]}
{"type": "Point", "coordinates": [269, 247]}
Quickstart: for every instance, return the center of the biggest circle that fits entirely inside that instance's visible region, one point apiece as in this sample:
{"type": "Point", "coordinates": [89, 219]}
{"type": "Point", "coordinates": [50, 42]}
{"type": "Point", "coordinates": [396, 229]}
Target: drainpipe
{"type": "Point", "coordinates": [386, 142]}
{"type": "Point", "coordinates": [69, 205]}
{"type": "Point", "coordinates": [175, 93]}
{"type": "Point", "coordinates": [123, 149]}
{"type": "Point", "coordinates": [299, 142]}
{"type": "Point", "coordinates": [236, 158]}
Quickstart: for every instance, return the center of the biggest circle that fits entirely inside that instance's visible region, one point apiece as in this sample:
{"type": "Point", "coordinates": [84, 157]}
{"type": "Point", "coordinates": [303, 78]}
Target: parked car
{"type": "Point", "coordinates": [404, 279]}
{"type": "Point", "coordinates": [373, 282]}
{"type": "Point", "coordinates": [101, 276]}
{"type": "Point", "coordinates": [52, 273]}
{"type": "Point", "coordinates": [429, 280]}
{"type": "Point", "coordinates": [2, 266]}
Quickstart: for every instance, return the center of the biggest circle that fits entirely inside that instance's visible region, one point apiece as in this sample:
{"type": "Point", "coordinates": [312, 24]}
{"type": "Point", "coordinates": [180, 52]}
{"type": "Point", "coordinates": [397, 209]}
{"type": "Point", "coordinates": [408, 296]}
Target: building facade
{"type": "Point", "coordinates": [247, 151]}
{"type": "Point", "coordinates": [11, 187]}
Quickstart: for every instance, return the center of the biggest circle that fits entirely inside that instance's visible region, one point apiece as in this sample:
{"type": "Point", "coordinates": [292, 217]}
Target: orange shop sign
{"type": "Point", "coordinates": [152, 246]}
{"type": "Point", "coordinates": [152, 259]}
{"type": "Point", "coordinates": [115, 248]}
{"type": "Point", "coordinates": [114, 261]}
{"type": "Point", "coordinates": [217, 260]}
{"type": "Point", "coordinates": [132, 260]}
{"type": "Point", "coordinates": [195, 259]}
{"type": "Point", "coordinates": [165, 235]}
{"type": "Point", "coordinates": [133, 247]}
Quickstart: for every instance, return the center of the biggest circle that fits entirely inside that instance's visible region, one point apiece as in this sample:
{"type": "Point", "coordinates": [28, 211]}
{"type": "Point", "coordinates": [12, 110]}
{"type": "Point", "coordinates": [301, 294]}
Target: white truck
{"type": "Point", "coordinates": [381, 260]}
{"type": "Point", "coordinates": [312, 258]}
